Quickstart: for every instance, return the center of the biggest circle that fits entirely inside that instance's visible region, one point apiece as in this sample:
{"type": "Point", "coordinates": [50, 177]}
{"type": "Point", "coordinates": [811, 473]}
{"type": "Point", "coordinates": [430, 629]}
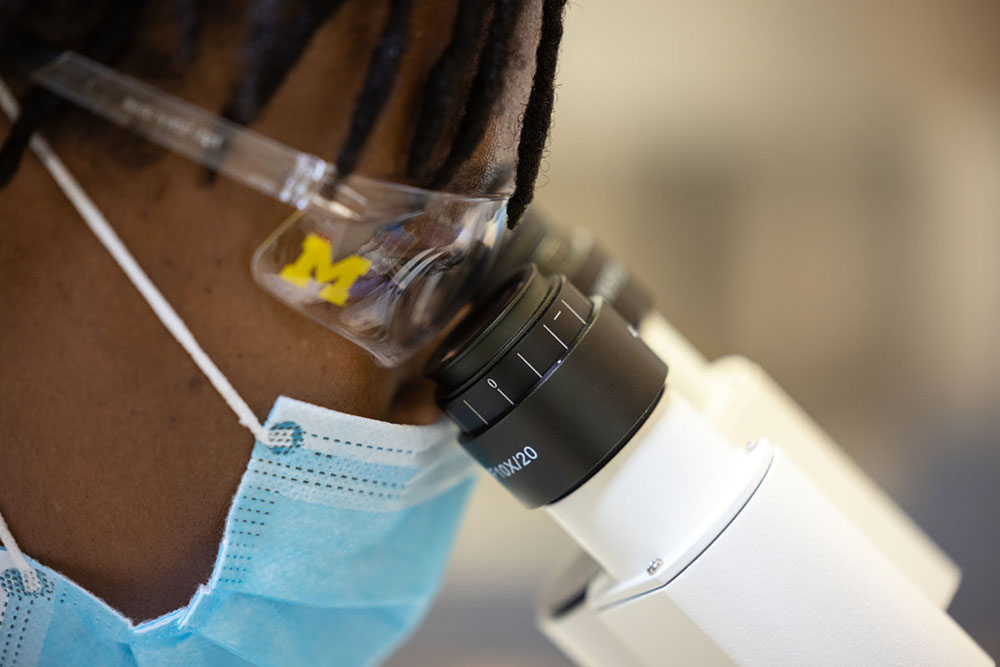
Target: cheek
{"type": "Point", "coordinates": [414, 404]}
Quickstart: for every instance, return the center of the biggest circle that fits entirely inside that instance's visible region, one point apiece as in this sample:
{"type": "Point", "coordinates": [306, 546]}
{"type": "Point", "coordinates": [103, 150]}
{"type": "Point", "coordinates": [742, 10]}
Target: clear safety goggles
{"type": "Point", "coordinates": [383, 264]}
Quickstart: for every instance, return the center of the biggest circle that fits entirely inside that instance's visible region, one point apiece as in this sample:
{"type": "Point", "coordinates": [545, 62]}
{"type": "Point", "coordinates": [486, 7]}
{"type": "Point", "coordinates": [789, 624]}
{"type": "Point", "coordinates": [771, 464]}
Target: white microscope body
{"type": "Point", "coordinates": [731, 530]}
{"type": "Point", "coordinates": [718, 524]}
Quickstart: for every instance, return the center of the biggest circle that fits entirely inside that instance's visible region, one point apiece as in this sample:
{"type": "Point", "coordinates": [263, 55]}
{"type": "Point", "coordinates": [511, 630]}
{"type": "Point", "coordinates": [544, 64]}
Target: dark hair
{"type": "Point", "coordinates": [277, 34]}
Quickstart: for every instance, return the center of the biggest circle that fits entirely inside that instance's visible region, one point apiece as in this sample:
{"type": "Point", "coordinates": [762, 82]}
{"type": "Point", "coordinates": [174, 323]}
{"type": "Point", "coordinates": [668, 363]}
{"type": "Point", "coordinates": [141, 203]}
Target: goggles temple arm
{"type": "Point", "coordinates": [286, 174]}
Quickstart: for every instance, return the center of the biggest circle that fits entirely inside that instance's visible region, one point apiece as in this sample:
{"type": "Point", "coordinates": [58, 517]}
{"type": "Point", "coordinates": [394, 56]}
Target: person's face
{"type": "Point", "coordinates": [209, 232]}
{"type": "Point", "coordinates": [137, 518]}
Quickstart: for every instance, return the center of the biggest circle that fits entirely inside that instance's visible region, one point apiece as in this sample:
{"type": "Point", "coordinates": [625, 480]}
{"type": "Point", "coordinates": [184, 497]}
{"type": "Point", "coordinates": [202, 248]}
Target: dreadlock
{"type": "Point", "coordinates": [441, 89]}
{"type": "Point", "coordinates": [538, 113]}
{"type": "Point", "coordinates": [107, 42]}
{"type": "Point", "coordinates": [485, 87]}
{"type": "Point", "coordinates": [274, 45]}
{"type": "Point", "coordinates": [190, 17]}
{"type": "Point", "coordinates": [378, 84]}
{"type": "Point", "coordinates": [278, 33]}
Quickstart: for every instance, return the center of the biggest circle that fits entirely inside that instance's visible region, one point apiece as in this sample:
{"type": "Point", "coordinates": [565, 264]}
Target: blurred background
{"type": "Point", "coordinates": [815, 186]}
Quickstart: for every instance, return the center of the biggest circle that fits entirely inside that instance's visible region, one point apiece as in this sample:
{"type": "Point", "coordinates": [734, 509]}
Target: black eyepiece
{"type": "Point", "coordinates": [545, 384]}
{"type": "Point", "coordinates": [506, 346]}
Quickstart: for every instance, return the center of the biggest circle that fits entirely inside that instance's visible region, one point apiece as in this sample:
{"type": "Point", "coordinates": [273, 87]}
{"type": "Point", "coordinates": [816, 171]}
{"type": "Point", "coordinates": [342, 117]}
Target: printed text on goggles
{"type": "Point", "coordinates": [383, 264]}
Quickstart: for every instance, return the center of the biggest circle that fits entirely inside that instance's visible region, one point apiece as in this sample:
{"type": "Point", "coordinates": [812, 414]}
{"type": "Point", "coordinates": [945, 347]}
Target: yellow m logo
{"type": "Point", "coordinates": [315, 261]}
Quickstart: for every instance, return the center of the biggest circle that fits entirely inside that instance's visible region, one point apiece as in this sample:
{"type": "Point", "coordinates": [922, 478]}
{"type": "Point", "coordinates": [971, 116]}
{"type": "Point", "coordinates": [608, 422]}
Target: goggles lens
{"type": "Point", "coordinates": [386, 266]}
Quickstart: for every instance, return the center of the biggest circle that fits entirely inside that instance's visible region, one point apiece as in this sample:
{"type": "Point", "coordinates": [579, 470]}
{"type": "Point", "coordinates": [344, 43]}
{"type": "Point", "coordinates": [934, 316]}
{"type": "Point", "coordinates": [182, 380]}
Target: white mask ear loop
{"type": "Point", "coordinates": [164, 311]}
{"type": "Point", "coordinates": [107, 236]}
{"type": "Point", "coordinates": [29, 578]}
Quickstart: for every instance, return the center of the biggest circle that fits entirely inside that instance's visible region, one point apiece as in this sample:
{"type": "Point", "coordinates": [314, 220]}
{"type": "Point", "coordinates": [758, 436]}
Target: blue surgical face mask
{"type": "Point", "coordinates": [334, 546]}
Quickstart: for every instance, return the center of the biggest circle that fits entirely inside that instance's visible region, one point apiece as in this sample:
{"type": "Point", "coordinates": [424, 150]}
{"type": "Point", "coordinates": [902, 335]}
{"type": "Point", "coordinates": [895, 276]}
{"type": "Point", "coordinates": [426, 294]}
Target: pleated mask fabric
{"type": "Point", "coordinates": [335, 545]}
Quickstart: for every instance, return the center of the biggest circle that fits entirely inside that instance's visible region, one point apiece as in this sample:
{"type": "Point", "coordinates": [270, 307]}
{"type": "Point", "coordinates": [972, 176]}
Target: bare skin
{"type": "Point", "coordinates": [118, 460]}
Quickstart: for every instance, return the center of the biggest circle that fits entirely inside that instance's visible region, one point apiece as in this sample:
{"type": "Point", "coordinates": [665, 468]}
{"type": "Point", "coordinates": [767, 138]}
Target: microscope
{"type": "Point", "coordinates": [717, 523]}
